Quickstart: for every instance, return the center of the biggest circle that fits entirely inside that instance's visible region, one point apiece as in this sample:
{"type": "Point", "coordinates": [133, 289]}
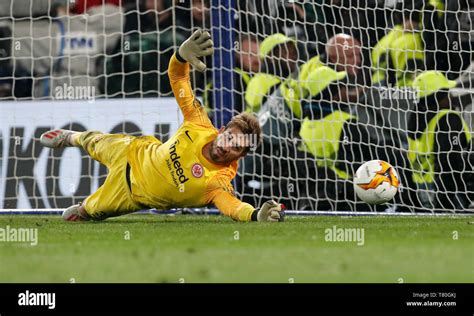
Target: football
{"type": "Point", "coordinates": [376, 182]}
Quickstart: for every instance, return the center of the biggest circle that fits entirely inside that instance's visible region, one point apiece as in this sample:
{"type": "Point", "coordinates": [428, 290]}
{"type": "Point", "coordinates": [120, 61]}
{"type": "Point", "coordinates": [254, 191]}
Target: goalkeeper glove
{"type": "Point", "coordinates": [197, 45]}
{"type": "Point", "coordinates": [270, 212]}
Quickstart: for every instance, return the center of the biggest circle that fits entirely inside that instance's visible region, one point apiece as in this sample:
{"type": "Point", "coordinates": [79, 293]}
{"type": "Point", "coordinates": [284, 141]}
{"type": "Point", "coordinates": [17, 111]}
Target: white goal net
{"type": "Point", "coordinates": [333, 83]}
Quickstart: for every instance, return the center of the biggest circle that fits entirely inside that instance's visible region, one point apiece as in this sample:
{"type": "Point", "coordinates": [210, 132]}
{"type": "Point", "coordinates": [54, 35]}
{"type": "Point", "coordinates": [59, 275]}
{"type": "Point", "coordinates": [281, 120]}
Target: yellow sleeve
{"type": "Point", "coordinates": [220, 193]}
{"type": "Point", "coordinates": [192, 109]}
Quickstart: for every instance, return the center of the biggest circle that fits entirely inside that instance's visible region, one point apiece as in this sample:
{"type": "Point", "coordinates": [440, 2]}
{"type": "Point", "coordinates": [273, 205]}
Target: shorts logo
{"type": "Point", "coordinates": [197, 170]}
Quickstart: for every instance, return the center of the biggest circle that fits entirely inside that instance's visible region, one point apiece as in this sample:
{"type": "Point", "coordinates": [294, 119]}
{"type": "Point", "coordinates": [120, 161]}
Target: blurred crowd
{"type": "Point", "coordinates": [120, 47]}
{"type": "Point", "coordinates": [419, 35]}
{"type": "Point", "coordinates": [342, 82]}
{"type": "Point", "coordinates": [366, 79]}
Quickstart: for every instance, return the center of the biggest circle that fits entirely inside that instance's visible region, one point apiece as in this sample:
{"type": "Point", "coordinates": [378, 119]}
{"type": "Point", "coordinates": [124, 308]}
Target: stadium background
{"type": "Point", "coordinates": [104, 67]}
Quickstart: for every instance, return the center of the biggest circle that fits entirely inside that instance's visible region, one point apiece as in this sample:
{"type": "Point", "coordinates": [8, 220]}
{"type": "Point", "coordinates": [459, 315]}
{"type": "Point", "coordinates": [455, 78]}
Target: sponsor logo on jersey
{"type": "Point", "coordinates": [174, 163]}
{"type": "Point", "coordinates": [187, 134]}
{"type": "Point", "coordinates": [197, 170]}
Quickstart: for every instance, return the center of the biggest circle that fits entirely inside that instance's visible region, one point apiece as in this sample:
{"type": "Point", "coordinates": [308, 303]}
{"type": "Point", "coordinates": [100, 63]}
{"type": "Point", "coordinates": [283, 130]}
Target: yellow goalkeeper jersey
{"type": "Point", "coordinates": [176, 173]}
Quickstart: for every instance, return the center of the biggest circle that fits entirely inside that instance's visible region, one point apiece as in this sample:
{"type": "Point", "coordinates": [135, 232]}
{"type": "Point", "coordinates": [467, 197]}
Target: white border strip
{"type": "Point", "coordinates": [202, 211]}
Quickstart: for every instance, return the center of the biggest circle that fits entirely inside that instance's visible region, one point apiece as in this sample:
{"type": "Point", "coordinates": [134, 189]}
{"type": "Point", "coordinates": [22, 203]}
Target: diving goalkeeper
{"type": "Point", "coordinates": [193, 168]}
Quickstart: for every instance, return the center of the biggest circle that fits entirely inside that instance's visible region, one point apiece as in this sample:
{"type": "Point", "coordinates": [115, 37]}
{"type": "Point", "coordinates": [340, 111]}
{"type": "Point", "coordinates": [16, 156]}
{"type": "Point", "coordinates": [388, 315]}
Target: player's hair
{"type": "Point", "coordinates": [249, 125]}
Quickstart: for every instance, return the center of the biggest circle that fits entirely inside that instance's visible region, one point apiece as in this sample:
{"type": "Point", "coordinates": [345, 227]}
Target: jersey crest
{"type": "Point", "coordinates": [197, 170]}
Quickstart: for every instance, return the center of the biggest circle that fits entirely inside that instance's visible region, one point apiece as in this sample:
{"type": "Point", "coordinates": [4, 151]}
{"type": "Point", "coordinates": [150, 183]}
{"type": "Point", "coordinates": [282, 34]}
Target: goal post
{"type": "Point", "coordinates": [223, 16]}
{"type": "Point", "coordinates": [332, 83]}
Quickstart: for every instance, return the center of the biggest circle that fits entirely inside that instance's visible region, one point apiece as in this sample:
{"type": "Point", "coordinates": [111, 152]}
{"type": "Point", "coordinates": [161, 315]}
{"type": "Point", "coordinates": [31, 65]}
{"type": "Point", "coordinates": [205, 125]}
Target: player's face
{"type": "Point", "coordinates": [229, 145]}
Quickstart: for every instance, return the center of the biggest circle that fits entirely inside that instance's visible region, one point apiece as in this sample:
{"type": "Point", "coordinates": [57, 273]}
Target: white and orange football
{"type": "Point", "coordinates": [376, 182]}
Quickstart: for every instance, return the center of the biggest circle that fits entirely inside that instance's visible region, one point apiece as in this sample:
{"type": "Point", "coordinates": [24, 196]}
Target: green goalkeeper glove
{"type": "Point", "coordinates": [270, 212]}
{"type": "Point", "coordinates": [197, 45]}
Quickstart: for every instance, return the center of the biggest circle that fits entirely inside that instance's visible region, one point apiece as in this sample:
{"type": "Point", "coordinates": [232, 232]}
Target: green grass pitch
{"type": "Point", "coordinates": [187, 248]}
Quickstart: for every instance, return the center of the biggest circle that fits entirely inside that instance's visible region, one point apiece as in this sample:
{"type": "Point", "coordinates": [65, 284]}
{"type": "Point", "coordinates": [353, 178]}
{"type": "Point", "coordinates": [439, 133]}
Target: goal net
{"type": "Point", "coordinates": [333, 83]}
{"type": "Point", "coordinates": [344, 82]}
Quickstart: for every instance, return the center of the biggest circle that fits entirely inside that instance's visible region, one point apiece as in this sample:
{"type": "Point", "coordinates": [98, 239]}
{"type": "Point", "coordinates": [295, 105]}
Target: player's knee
{"type": "Point", "coordinates": [89, 140]}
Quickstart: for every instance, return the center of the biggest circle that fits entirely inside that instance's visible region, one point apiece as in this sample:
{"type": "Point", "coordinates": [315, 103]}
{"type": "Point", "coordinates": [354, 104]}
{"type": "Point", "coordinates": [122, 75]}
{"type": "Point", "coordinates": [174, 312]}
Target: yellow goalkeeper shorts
{"type": "Point", "coordinates": [113, 198]}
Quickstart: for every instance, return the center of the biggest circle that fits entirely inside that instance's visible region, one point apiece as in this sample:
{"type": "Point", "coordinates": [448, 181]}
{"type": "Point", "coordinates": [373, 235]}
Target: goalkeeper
{"type": "Point", "coordinates": [193, 168]}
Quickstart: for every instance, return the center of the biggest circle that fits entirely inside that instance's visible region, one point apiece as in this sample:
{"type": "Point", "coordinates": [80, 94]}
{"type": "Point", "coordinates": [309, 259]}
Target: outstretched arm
{"type": "Point", "coordinates": [199, 44]}
{"type": "Point", "coordinates": [233, 207]}
{"type": "Point", "coordinates": [220, 195]}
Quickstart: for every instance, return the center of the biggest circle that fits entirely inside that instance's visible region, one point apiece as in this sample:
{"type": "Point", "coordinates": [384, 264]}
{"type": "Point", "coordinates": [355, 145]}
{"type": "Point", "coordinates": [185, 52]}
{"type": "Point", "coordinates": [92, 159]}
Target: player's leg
{"type": "Point", "coordinates": [105, 148]}
{"type": "Point", "coordinates": [113, 198]}
{"type": "Point", "coordinates": [102, 147]}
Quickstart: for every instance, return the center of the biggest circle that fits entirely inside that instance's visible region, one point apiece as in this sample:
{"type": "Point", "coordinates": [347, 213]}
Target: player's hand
{"type": "Point", "coordinates": [270, 212]}
{"type": "Point", "coordinates": [198, 45]}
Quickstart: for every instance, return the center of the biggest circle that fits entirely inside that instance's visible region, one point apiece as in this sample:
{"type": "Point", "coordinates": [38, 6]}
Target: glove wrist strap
{"type": "Point", "coordinates": [254, 215]}
{"type": "Point", "coordinates": [179, 58]}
